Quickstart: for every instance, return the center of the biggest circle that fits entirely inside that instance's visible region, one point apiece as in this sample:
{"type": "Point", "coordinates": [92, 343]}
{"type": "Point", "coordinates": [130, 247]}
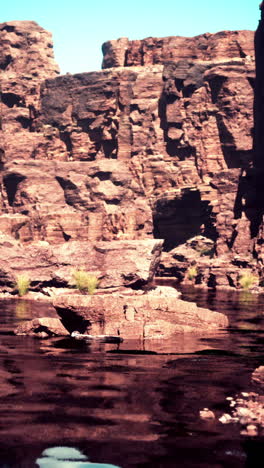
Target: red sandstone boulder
{"type": "Point", "coordinates": [42, 328]}
{"type": "Point", "coordinates": [135, 316]}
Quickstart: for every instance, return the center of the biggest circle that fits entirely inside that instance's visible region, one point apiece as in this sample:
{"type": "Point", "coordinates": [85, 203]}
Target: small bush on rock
{"type": "Point", "coordinates": [22, 284]}
{"type": "Point", "coordinates": [247, 280]}
{"type": "Point", "coordinates": [85, 282]}
{"type": "Point", "coordinates": [192, 272]}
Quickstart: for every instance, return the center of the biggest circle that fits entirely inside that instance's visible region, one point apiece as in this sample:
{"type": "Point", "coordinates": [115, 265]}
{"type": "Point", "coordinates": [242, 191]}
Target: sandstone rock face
{"type": "Point", "coordinates": [42, 328]}
{"type": "Point", "coordinates": [152, 50]}
{"type": "Point", "coordinates": [158, 144]}
{"type": "Point", "coordinates": [26, 59]}
{"type": "Point", "coordinates": [119, 264]}
{"type": "Point", "coordinates": [135, 316]}
{"type": "Point", "coordinates": [69, 200]}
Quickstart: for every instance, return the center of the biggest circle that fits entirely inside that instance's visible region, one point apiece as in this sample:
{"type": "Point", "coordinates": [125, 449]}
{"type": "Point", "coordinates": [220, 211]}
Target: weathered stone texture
{"type": "Point", "coordinates": [116, 264]}
{"type": "Point", "coordinates": [145, 316]}
{"type": "Point", "coordinates": [42, 328]}
{"type": "Point", "coordinates": [159, 144]}
{"type": "Point", "coordinates": [26, 59]}
{"type": "Point", "coordinates": [152, 50]}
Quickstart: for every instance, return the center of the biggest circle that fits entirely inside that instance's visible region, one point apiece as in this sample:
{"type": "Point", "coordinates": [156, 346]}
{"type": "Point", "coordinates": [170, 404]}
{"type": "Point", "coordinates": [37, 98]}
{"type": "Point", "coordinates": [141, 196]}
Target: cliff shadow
{"type": "Point", "coordinates": [247, 201]}
{"type": "Point", "coordinates": [180, 218]}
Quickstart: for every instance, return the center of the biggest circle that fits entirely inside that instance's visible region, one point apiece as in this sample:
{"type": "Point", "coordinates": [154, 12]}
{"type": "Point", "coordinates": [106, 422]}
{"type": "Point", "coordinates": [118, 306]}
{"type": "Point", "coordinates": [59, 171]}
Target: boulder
{"type": "Point", "coordinates": [136, 316]}
{"type": "Point", "coordinates": [42, 328]}
{"type": "Point", "coordinates": [164, 291]}
{"type": "Point", "coordinates": [128, 262]}
{"type": "Point", "coordinates": [258, 376]}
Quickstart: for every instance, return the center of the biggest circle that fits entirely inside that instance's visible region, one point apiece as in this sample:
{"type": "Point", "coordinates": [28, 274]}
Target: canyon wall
{"type": "Point", "coordinates": [157, 144]}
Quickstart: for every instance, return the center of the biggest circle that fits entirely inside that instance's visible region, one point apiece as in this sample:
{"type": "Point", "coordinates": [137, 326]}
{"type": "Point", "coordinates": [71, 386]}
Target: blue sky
{"type": "Point", "coordinates": [79, 27]}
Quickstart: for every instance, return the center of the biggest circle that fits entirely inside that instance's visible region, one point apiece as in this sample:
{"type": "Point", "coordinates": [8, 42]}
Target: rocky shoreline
{"type": "Point", "coordinates": [246, 409]}
{"type": "Point", "coordinates": [157, 314]}
{"type": "Point", "coordinates": [144, 168]}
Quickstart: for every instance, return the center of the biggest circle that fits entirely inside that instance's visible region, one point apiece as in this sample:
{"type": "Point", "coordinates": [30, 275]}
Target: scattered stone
{"type": "Point", "coordinates": [247, 411]}
{"type": "Point", "coordinates": [225, 419]}
{"type": "Point", "coordinates": [250, 431]}
{"type": "Point", "coordinates": [207, 414]}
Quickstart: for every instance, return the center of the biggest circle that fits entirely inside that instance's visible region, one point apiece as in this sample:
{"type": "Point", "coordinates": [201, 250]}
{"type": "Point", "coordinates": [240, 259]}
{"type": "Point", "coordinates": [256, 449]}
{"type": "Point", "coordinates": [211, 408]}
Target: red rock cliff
{"type": "Point", "coordinates": [159, 144]}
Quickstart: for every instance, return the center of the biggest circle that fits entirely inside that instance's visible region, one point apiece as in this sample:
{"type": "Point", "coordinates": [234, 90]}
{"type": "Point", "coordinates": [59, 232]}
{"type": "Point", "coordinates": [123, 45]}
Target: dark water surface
{"type": "Point", "coordinates": [132, 405]}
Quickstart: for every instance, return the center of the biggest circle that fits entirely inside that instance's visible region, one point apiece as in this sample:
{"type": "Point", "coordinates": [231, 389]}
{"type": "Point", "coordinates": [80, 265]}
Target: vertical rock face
{"type": "Point", "coordinates": [258, 102]}
{"type": "Point", "coordinates": [259, 90]}
{"type": "Point", "coordinates": [26, 60]}
{"type": "Point", "coordinates": [258, 133]}
{"type": "Point", "coordinates": [151, 51]}
{"type": "Point", "coordinates": [157, 144]}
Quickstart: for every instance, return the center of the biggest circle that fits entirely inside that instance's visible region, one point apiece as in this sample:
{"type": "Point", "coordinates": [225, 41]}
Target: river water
{"type": "Point", "coordinates": [68, 404]}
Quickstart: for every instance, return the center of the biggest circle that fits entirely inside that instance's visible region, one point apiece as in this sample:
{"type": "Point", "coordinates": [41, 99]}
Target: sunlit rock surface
{"type": "Point", "coordinates": [117, 265]}
{"type": "Point", "coordinates": [157, 144]}
{"type": "Point", "coordinates": [42, 328]}
{"type": "Point", "coordinates": [141, 316]}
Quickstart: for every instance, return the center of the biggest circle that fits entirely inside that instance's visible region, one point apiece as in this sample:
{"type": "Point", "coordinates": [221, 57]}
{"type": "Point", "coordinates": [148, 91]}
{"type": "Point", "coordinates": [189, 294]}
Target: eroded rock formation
{"type": "Point", "coordinates": [146, 316]}
{"type": "Point", "coordinates": [157, 144]}
{"type": "Point", "coordinates": [117, 264]}
{"type": "Point", "coordinates": [42, 328]}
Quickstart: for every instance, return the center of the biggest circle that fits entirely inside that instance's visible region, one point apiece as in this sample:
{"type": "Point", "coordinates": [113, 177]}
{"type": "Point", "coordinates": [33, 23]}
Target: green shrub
{"type": "Point", "coordinates": [85, 282]}
{"type": "Point", "coordinates": [22, 284]}
{"type": "Point", "coordinates": [192, 272]}
{"type": "Point", "coordinates": [247, 280]}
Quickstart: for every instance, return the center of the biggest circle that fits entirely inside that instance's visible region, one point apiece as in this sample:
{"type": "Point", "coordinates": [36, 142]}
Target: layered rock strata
{"type": "Point", "coordinates": [145, 316]}
{"type": "Point", "coordinates": [152, 50]}
{"type": "Point", "coordinates": [123, 264]}
{"type": "Point", "coordinates": [157, 145]}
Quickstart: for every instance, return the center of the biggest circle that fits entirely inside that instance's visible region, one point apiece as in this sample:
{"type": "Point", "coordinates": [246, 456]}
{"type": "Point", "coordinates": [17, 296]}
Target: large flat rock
{"type": "Point", "coordinates": [136, 316]}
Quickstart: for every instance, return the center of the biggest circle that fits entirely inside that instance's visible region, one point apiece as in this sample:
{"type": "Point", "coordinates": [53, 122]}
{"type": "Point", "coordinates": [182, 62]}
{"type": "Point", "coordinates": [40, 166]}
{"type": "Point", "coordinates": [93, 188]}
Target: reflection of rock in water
{"type": "Point", "coordinates": [69, 457]}
{"type": "Point", "coordinates": [22, 309]}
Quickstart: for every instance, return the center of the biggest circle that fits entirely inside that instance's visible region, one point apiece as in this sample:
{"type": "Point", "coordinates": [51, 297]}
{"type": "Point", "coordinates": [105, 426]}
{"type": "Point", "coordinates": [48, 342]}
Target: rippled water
{"type": "Point", "coordinates": [128, 405]}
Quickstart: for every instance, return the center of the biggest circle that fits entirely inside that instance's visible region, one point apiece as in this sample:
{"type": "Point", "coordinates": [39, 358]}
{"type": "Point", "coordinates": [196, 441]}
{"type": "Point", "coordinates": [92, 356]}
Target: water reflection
{"type": "Point", "coordinates": [22, 309]}
{"type": "Point", "coordinates": [136, 405]}
{"type": "Point", "coordinates": [67, 457]}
